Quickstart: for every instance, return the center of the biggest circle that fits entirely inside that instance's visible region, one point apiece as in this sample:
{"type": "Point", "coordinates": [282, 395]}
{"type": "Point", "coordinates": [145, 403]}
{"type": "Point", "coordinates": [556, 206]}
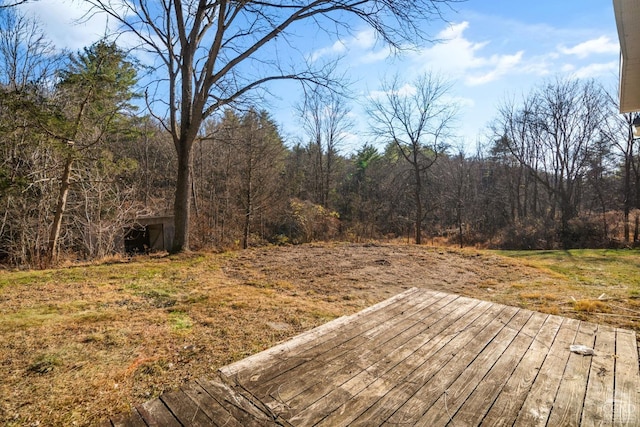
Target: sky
{"type": "Point", "coordinates": [490, 51]}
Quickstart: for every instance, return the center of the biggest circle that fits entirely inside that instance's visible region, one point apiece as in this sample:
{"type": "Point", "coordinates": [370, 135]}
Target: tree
{"type": "Point", "coordinates": [257, 161]}
{"type": "Point", "coordinates": [14, 3]}
{"type": "Point", "coordinates": [325, 120]}
{"type": "Point", "coordinates": [238, 185]}
{"type": "Point", "coordinates": [455, 173]}
{"type": "Point", "coordinates": [213, 53]}
{"type": "Point", "coordinates": [95, 89]}
{"type": "Point", "coordinates": [361, 194]}
{"type": "Point", "coordinates": [416, 118]}
{"type": "Point", "coordinates": [553, 135]}
{"type": "Point", "coordinates": [26, 56]}
{"type": "Point", "coordinates": [619, 131]}
{"type": "Point", "coordinates": [27, 64]}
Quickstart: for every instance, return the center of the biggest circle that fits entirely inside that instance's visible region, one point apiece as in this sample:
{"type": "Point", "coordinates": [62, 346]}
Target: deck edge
{"type": "Point", "coordinates": [301, 339]}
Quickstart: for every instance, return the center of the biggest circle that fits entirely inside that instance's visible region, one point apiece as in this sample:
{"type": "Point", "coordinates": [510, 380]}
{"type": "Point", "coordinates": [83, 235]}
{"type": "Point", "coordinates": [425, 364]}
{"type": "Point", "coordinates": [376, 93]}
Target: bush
{"type": "Point", "coordinates": [306, 222]}
{"type": "Point", "coordinates": [527, 235]}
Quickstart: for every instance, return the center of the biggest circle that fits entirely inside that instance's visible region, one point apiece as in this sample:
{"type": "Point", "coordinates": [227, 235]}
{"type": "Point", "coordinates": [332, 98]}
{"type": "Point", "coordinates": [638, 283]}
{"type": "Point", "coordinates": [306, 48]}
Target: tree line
{"type": "Point", "coordinates": [81, 160]}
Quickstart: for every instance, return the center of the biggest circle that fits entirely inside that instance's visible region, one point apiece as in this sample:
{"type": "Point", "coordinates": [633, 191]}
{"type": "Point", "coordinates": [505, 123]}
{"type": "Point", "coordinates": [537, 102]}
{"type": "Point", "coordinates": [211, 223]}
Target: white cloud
{"type": "Point", "coordinates": [464, 59]}
{"type": "Point", "coordinates": [453, 53]}
{"type": "Point", "coordinates": [460, 101]}
{"type": "Point", "coordinates": [365, 39]}
{"type": "Point", "coordinates": [404, 91]}
{"type": "Point", "coordinates": [62, 22]}
{"type": "Point", "coordinates": [336, 49]}
{"type": "Point", "coordinates": [601, 45]}
{"type": "Point", "coordinates": [361, 49]}
{"type": "Point", "coordinates": [373, 56]}
{"type": "Point", "coordinates": [459, 57]}
{"type": "Point", "coordinates": [596, 70]}
{"type": "Point", "coordinates": [500, 65]}
{"type": "Point", "coordinates": [541, 65]}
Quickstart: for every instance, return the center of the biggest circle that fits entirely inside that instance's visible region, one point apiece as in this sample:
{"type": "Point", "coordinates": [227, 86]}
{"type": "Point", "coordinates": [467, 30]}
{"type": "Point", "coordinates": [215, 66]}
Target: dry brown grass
{"type": "Point", "coordinates": [81, 343]}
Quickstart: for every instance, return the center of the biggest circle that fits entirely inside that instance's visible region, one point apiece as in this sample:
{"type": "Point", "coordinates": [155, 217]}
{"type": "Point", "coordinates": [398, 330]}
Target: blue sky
{"type": "Point", "coordinates": [489, 49]}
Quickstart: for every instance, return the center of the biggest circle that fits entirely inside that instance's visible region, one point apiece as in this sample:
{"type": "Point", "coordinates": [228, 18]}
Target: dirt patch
{"type": "Point", "coordinates": [373, 272]}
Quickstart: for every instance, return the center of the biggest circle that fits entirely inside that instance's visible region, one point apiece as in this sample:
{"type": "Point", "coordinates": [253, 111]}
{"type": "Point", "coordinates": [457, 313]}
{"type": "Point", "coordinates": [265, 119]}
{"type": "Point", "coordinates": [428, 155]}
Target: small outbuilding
{"type": "Point", "coordinates": [149, 234]}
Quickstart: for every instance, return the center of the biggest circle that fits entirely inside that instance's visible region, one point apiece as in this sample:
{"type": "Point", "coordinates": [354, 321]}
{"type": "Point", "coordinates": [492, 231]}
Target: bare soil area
{"type": "Point", "coordinates": [369, 273]}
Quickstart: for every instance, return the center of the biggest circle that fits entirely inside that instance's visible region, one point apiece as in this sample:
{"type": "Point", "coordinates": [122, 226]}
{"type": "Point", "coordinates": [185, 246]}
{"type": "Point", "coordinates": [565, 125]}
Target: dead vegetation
{"type": "Point", "coordinates": [81, 343]}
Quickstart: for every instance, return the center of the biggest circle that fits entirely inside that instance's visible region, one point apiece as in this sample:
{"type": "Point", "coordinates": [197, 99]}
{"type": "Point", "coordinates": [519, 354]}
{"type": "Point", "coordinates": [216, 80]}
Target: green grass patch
{"type": "Point", "coordinates": [180, 321]}
{"type": "Point", "coordinates": [44, 364]}
{"type": "Point", "coordinates": [29, 317]}
{"type": "Point", "coordinates": [601, 270]}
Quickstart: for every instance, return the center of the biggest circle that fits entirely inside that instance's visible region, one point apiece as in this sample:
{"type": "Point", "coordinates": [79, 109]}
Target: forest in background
{"type": "Point", "coordinates": [82, 159]}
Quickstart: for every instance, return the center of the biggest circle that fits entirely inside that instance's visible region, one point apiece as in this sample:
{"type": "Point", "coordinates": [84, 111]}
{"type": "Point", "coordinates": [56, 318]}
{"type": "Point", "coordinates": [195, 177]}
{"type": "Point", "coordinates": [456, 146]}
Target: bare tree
{"type": "Point", "coordinates": [325, 120]}
{"type": "Point", "coordinates": [416, 118]}
{"type": "Point", "coordinates": [618, 130]}
{"type": "Point", "coordinates": [26, 56]}
{"type": "Point", "coordinates": [553, 135]}
{"type": "Point", "coordinates": [14, 3]}
{"type": "Point", "coordinates": [213, 53]}
{"type": "Point", "coordinates": [27, 63]}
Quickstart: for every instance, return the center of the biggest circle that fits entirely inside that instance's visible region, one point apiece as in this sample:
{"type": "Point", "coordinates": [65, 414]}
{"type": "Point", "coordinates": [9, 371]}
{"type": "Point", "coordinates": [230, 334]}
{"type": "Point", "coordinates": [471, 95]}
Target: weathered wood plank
{"type": "Point", "coordinates": [424, 306]}
{"type": "Point", "coordinates": [627, 380]}
{"type": "Point", "coordinates": [504, 409]}
{"type": "Point", "coordinates": [397, 387]}
{"type": "Point", "coordinates": [537, 406]}
{"type": "Point", "coordinates": [427, 329]}
{"type": "Point", "coordinates": [447, 396]}
{"type": "Point", "coordinates": [334, 368]}
{"type": "Point", "coordinates": [245, 411]}
{"type": "Point", "coordinates": [379, 327]}
{"type": "Point", "coordinates": [567, 407]}
{"type": "Point", "coordinates": [156, 414]}
{"type": "Point", "coordinates": [283, 357]}
{"type": "Point", "coordinates": [487, 389]}
{"type": "Point", "coordinates": [133, 419]}
{"type": "Point", "coordinates": [456, 360]}
{"type": "Point", "coordinates": [186, 410]}
{"type": "Point", "coordinates": [598, 402]}
{"type": "Point", "coordinates": [210, 405]}
{"type": "Point", "coordinates": [399, 382]}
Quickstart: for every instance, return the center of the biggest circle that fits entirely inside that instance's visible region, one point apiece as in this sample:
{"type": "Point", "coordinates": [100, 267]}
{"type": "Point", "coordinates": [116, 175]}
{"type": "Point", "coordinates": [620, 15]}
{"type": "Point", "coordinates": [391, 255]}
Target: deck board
{"type": "Point", "coordinates": [421, 358]}
{"type": "Point", "coordinates": [627, 394]}
{"type": "Point", "coordinates": [598, 402]}
{"type": "Point", "coordinates": [346, 360]}
{"type": "Point", "coordinates": [567, 408]}
{"type": "Point", "coordinates": [486, 391]}
{"type": "Point", "coordinates": [359, 360]}
{"type": "Point", "coordinates": [401, 382]}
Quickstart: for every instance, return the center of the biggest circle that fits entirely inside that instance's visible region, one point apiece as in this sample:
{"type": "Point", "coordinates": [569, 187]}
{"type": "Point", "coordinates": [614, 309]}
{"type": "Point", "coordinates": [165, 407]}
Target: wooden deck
{"type": "Point", "coordinates": [421, 358]}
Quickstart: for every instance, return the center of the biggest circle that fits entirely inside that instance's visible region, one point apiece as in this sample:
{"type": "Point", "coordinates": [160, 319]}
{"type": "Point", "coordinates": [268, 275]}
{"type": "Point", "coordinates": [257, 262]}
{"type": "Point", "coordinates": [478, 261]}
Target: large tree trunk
{"type": "Point", "coordinates": [182, 203]}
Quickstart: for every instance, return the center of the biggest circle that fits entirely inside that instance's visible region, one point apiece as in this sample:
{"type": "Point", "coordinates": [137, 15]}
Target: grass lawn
{"type": "Point", "coordinates": [601, 286]}
{"type": "Point", "coordinates": [84, 342]}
